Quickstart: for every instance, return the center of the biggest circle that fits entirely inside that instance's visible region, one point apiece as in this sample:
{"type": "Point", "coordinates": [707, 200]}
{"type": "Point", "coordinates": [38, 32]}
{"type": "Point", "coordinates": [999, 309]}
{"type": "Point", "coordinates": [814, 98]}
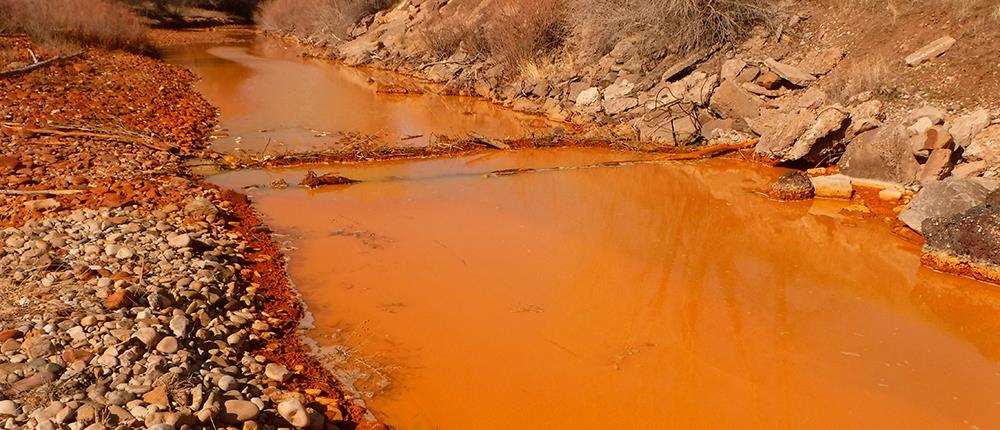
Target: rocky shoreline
{"type": "Point", "coordinates": [794, 95]}
{"type": "Point", "coordinates": [136, 295]}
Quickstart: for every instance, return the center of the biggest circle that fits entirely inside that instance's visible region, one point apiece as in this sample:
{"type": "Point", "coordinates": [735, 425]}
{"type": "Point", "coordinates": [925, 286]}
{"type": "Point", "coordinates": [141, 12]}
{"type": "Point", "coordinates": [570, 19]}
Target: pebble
{"type": "Point", "coordinates": [276, 372]}
{"type": "Point", "coordinates": [167, 345]}
{"type": "Point", "coordinates": [239, 410]}
{"type": "Point", "coordinates": [146, 314]}
{"type": "Point", "coordinates": [293, 412]}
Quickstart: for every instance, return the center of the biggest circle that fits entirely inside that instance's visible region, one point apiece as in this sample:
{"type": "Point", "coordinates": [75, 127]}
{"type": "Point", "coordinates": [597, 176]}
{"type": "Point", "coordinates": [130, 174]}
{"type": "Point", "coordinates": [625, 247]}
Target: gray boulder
{"type": "Point", "coordinates": [942, 199]}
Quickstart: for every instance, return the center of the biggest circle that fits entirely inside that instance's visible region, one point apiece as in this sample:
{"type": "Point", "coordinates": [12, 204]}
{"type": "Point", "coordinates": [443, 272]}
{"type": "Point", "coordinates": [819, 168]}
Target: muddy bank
{"type": "Point", "coordinates": [135, 294]}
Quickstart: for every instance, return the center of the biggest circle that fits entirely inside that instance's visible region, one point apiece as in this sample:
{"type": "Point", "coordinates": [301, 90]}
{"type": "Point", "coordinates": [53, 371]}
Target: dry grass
{"type": "Point", "coordinates": [968, 11]}
{"type": "Point", "coordinates": [321, 20]}
{"type": "Point", "coordinates": [511, 33]}
{"type": "Point", "coordinates": [99, 23]}
{"type": "Point", "coordinates": [667, 25]}
{"type": "Point", "coordinates": [872, 74]}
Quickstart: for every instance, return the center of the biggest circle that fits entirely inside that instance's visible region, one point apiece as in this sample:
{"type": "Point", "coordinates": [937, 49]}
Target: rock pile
{"type": "Point", "coordinates": [119, 319]}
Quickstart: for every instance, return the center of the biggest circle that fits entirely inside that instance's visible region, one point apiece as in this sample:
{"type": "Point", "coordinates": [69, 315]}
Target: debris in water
{"type": "Point", "coordinates": [312, 180]}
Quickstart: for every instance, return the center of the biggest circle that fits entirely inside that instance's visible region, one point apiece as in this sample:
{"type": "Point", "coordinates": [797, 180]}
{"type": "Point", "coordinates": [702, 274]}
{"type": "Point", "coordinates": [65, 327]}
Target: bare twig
{"type": "Point", "coordinates": [36, 65]}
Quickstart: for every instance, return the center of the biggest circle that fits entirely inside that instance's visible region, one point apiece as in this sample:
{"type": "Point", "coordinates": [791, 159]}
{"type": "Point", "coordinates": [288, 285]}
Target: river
{"type": "Point", "coordinates": [666, 295]}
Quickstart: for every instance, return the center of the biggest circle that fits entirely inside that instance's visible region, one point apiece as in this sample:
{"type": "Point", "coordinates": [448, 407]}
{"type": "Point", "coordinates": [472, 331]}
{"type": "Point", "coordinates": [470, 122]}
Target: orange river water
{"type": "Point", "coordinates": [649, 296]}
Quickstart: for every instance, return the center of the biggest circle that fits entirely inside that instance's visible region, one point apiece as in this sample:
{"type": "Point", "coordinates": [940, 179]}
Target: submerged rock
{"type": "Point", "coordinates": [792, 186]}
{"type": "Point", "coordinates": [966, 243]}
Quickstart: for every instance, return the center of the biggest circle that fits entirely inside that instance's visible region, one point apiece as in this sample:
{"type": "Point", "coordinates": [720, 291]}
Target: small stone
{"type": "Point", "coordinates": [293, 412]}
{"type": "Point", "coordinates": [237, 411]}
{"type": "Point", "coordinates": [890, 194]}
{"type": "Point", "coordinates": [38, 346]}
{"type": "Point", "coordinates": [42, 205]}
{"type": "Point", "coordinates": [588, 97]}
{"type": "Point", "coordinates": [167, 345]}
{"type": "Point", "coordinates": [179, 241]}
{"type": "Point", "coordinates": [157, 396]}
{"type": "Point", "coordinates": [200, 207]}
{"type": "Point", "coordinates": [792, 186]}
{"type": "Point", "coordinates": [276, 372]}
{"type": "Point", "coordinates": [179, 325]}
{"type": "Point", "coordinates": [147, 335]}
{"type": "Point", "coordinates": [32, 382]}
{"type": "Point", "coordinates": [834, 186]}
{"type": "Point", "coordinates": [769, 80]}
{"type": "Point", "coordinates": [227, 383]}
{"type": "Point", "coordinates": [124, 253]}
{"type": "Point", "coordinates": [119, 299]}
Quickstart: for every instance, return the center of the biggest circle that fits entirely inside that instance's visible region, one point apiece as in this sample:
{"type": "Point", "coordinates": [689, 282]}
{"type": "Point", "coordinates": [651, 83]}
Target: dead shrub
{"type": "Point", "coordinates": [321, 20]}
{"type": "Point", "coordinates": [519, 32]}
{"type": "Point", "coordinates": [513, 34]}
{"type": "Point", "coordinates": [668, 25]}
{"type": "Point", "coordinates": [100, 23]}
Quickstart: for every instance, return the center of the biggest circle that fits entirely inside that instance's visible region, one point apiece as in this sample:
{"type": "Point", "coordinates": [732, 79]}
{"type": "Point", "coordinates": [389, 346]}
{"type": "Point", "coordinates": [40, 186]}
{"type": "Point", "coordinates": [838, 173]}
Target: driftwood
{"type": "Point", "coordinates": [74, 131]}
{"type": "Point", "coordinates": [36, 65]}
{"type": "Point", "coordinates": [483, 140]}
{"type": "Point", "coordinates": [39, 192]}
{"type": "Point", "coordinates": [681, 156]}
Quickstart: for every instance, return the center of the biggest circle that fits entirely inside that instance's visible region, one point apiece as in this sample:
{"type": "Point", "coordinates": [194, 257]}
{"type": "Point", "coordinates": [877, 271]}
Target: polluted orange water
{"type": "Point", "coordinates": [642, 297]}
{"type": "Point", "coordinates": [271, 99]}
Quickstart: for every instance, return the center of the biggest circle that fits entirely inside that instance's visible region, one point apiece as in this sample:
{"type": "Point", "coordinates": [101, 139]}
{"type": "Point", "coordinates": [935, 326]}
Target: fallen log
{"type": "Point", "coordinates": [36, 65]}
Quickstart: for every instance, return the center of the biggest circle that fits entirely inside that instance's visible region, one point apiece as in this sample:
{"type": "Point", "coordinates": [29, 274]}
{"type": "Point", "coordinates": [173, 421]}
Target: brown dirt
{"type": "Point", "coordinates": [965, 77]}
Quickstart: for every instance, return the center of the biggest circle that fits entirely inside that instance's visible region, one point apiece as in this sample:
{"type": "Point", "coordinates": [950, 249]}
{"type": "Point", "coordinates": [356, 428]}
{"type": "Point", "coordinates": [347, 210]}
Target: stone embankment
{"type": "Point", "coordinates": [770, 88]}
{"type": "Point", "coordinates": [137, 296]}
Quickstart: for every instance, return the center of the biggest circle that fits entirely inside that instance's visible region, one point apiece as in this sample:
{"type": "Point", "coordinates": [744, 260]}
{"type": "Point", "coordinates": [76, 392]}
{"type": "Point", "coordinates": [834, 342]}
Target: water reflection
{"type": "Point", "coordinates": [653, 296]}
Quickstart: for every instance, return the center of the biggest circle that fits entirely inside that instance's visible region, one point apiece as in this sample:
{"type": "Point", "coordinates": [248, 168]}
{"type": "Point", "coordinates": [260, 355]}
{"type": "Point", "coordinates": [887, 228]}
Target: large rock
{"type": "Point", "coordinates": [823, 61]}
{"type": "Point", "coordinates": [731, 101]}
{"type": "Point", "coordinates": [358, 51]}
{"type": "Point", "coordinates": [866, 116]}
{"type": "Point", "coordinates": [985, 146]}
{"type": "Point", "coordinates": [941, 199]}
{"type": "Point", "coordinates": [967, 242]}
{"type": "Point", "coordinates": [779, 130]}
{"type": "Point", "coordinates": [618, 89]}
{"type": "Point", "coordinates": [965, 128]}
{"type": "Point", "coordinates": [792, 74]}
{"type": "Point", "coordinates": [618, 105]}
{"type": "Point", "coordinates": [830, 120]}
{"type": "Point", "coordinates": [881, 154]}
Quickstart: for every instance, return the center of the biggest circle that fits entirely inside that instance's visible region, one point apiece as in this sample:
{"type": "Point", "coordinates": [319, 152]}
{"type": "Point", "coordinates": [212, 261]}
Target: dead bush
{"type": "Point", "coordinates": [667, 25]}
{"type": "Point", "coordinates": [321, 20]}
{"type": "Point", "coordinates": [99, 23]}
{"type": "Point", "coordinates": [510, 33]}
{"type": "Point", "coordinates": [520, 33]}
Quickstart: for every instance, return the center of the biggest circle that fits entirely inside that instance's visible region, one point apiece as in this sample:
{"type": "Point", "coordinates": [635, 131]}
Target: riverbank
{"type": "Point", "coordinates": [806, 81]}
{"type": "Point", "coordinates": [135, 294]}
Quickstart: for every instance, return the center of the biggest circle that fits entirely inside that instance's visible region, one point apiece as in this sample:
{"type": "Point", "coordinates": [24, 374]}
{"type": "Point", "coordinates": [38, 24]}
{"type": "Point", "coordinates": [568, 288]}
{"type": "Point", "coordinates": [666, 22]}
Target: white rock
{"type": "Point", "coordinates": [588, 97]}
{"type": "Point", "coordinates": [293, 412]}
{"type": "Point", "coordinates": [834, 186]}
{"type": "Point", "coordinates": [276, 372]}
